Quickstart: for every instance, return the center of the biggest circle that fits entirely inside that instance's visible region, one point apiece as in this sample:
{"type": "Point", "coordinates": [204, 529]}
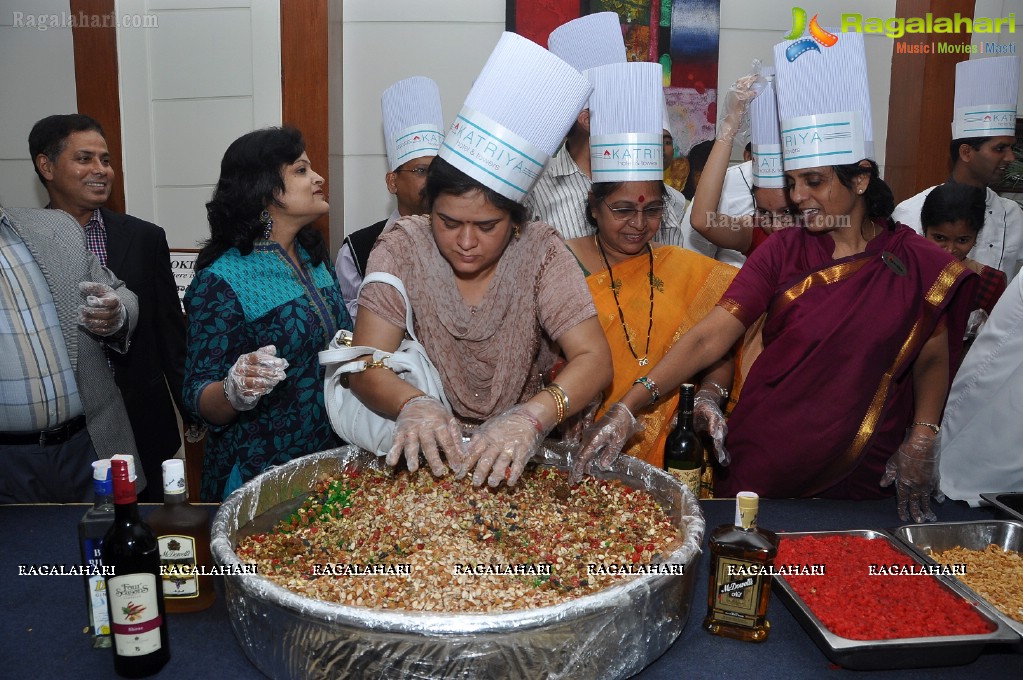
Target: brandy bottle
{"type": "Point", "coordinates": [741, 562]}
{"type": "Point", "coordinates": [183, 532]}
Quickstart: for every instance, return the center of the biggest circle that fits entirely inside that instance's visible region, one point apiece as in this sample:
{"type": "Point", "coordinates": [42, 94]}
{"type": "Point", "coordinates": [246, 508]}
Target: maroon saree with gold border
{"type": "Point", "coordinates": [829, 399]}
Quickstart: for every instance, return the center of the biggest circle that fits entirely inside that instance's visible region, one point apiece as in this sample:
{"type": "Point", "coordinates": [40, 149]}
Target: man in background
{"type": "Point", "coordinates": [413, 123]}
{"type": "Point", "coordinates": [59, 406]}
{"type": "Point", "coordinates": [983, 132]}
{"type": "Point", "coordinates": [559, 196]}
{"type": "Point", "coordinates": [70, 156]}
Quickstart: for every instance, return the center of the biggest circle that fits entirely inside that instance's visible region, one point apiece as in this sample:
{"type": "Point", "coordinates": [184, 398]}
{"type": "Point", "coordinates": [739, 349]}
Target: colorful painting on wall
{"type": "Point", "coordinates": [681, 35]}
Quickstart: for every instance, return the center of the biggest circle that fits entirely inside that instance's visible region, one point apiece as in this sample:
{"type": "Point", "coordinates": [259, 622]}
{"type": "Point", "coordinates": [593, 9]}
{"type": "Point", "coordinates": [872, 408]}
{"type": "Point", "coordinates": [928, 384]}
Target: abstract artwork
{"type": "Point", "coordinates": [681, 35]}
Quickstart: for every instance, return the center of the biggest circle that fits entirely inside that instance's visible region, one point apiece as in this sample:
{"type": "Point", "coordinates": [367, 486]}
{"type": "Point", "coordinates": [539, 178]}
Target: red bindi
{"type": "Point", "coordinates": [642, 198]}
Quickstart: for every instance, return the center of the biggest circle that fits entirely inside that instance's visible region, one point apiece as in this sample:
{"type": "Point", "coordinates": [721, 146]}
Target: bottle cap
{"type": "Point", "coordinates": [124, 485]}
{"type": "Point", "coordinates": [173, 475]}
{"type": "Point", "coordinates": [747, 505]}
{"type": "Point", "coordinates": [130, 460]}
{"type": "Point", "coordinates": [101, 469]}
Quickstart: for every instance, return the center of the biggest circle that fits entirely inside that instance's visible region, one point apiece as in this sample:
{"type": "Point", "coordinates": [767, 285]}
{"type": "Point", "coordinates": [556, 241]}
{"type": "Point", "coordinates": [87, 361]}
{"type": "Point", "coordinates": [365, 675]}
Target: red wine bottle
{"type": "Point", "coordinates": [683, 452]}
{"type": "Point", "coordinates": [138, 621]}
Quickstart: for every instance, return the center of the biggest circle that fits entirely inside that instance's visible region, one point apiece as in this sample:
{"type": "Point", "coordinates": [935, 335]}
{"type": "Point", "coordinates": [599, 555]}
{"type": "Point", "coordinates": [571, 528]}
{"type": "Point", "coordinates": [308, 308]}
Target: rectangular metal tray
{"type": "Point", "coordinates": [1009, 505]}
{"type": "Point", "coordinates": [920, 652]}
{"type": "Point", "coordinates": [977, 535]}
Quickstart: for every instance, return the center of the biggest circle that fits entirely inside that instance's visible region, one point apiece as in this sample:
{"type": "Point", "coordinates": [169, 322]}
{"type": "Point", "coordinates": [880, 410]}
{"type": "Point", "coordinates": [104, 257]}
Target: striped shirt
{"type": "Point", "coordinates": [37, 381]}
{"type": "Point", "coordinates": [559, 199]}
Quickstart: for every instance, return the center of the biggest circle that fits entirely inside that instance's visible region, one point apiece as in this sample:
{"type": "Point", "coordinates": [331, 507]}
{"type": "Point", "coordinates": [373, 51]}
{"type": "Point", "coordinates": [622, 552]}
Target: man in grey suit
{"type": "Point", "coordinates": [73, 163]}
{"type": "Point", "coordinates": [59, 406]}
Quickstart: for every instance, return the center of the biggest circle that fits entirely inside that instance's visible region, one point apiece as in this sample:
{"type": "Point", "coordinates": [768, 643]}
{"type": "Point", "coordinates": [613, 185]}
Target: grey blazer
{"type": "Point", "coordinates": [57, 243]}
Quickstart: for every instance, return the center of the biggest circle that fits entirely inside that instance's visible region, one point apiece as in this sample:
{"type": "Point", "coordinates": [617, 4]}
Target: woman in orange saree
{"type": "Point", "coordinates": [647, 297]}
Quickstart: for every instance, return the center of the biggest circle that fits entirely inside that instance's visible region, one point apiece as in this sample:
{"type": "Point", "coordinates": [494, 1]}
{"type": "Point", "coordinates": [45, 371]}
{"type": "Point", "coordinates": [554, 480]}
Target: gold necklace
{"type": "Point", "coordinates": [615, 285]}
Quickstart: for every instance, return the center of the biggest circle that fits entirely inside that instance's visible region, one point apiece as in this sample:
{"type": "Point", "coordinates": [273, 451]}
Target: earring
{"type": "Point", "coordinates": [516, 232]}
{"type": "Point", "coordinates": [268, 224]}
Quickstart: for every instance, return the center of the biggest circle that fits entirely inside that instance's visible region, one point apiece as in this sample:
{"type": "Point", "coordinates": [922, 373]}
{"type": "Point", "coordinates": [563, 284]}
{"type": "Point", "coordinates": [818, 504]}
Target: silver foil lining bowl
{"type": "Point", "coordinates": [613, 633]}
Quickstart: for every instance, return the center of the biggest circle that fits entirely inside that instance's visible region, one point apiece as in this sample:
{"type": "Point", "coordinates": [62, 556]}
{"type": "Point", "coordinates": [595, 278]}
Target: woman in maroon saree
{"type": "Point", "coordinates": [864, 318]}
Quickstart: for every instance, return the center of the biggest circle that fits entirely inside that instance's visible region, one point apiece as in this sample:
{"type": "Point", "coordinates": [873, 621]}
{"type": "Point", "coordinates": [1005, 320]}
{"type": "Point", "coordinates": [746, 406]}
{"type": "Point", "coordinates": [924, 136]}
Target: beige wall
{"type": "Point", "coordinates": [37, 79]}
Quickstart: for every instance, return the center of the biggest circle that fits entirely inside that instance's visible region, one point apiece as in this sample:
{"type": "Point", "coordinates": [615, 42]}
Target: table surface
{"type": "Point", "coordinates": [42, 618]}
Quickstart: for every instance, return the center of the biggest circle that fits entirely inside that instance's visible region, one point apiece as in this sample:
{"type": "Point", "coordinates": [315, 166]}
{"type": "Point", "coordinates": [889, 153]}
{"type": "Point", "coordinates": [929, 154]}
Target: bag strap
{"type": "Point", "coordinates": [395, 282]}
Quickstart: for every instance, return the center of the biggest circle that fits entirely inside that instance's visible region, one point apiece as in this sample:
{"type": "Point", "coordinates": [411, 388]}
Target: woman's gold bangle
{"type": "Point", "coordinates": [560, 400]}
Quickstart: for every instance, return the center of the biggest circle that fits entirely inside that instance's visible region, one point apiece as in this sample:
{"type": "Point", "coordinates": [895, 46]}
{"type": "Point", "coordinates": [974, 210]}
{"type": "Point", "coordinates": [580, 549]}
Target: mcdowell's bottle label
{"type": "Point", "coordinates": [177, 567]}
{"type": "Point", "coordinates": [737, 591]}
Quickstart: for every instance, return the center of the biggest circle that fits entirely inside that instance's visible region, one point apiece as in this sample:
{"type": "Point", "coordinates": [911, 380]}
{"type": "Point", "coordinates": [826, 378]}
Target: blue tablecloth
{"type": "Point", "coordinates": [43, 618]}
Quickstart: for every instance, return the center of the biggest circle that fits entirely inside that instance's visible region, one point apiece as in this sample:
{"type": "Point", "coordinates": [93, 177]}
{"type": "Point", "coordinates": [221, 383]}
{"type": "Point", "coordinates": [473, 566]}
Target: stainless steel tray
{"type": "Point", "coordinates": [922, 539]}
{"type": "Point", "coordinates": [919, 652]}
{"type": "Point", "coordinates": [1009, 505]}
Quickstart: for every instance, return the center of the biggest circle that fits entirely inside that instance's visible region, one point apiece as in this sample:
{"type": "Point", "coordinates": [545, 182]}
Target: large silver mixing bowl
{"type": "Point", "coordinates": [611, 634]}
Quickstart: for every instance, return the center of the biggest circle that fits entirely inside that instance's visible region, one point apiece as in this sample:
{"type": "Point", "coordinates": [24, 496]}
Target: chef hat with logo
{"type": "Point", "coordinates": [589, 41]}
{"type": "Point", "coordinates": [516, 115]}
{"type": "Point", "coordinates": [823, 101]}
{"type": "Point", "coordinates": [985, 99]}
{"type": "Point", "coordinates": [413, 120]}
{"type": "Point", "coordinates": [765, 135]}
{"type": "Point", "coordinates": [626, 122]}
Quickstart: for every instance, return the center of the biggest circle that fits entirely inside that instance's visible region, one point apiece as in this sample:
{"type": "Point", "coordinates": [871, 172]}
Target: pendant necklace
{"type": "Point", "coordinates": [615, 285]}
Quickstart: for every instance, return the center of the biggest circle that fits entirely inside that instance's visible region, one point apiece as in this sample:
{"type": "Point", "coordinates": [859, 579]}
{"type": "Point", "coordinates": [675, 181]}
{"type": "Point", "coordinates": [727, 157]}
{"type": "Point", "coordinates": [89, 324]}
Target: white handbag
{"type": "Point", "coordinates": [351, 419]}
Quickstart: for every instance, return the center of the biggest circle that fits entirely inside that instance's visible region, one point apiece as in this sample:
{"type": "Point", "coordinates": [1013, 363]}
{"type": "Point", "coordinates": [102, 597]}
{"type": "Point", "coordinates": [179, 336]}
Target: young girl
{"type": "Point", "coordinates": [952, 216]}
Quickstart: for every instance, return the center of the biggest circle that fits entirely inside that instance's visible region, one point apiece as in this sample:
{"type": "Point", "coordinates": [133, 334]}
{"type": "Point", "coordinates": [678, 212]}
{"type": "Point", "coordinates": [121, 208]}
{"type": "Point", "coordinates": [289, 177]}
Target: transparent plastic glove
{"type": "Point", "coordinates": [195, 432]}
{"type": "Point", "coordinates": [102, 312]}
{"type": "Point", "coordinates": [734, 107]}
{"type": "Point", "coordinates": [974, 324]}
{"type": "Point", "coordinates": [502, 446]}
{"type": "Point", "coordinates": [426, 425]}
{"type": "Point", "coordinates": [708, 418]}
{"type": "Point", "coordinates": [605, 440]}
{"type": "Point", "coordinates": [914, 469]}
{"type": "Point", "coordinates": [574, 427]}
{"type": "Point", "coordinates": [253, 375]}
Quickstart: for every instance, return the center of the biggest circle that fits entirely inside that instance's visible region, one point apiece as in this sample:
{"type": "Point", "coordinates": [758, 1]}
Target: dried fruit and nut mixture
{"type": "Point", "coordinates": [993, 573]}
{"type": "Point", "coordinates": [852, 603]}
{"type": "Point", "coordinates": [440, 526]}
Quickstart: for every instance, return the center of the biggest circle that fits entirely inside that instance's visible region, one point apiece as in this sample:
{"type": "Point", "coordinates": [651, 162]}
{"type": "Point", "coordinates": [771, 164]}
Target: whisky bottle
{"type": "Point", "coordinates": [742, 559]}
{"type": "Point", "coordinates": [91, 529]}
{"type": "Point", "coordinates": [183, 532]}
{"type": "Point", "coordinates": [683, 452]}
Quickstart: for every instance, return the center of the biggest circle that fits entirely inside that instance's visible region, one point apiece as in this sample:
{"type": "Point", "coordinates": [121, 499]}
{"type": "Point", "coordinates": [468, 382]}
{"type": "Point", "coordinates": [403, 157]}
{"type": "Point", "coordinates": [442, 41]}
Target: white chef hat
{"type": "Point", "coordinates": [589, 41]}
{"type": "Point", "coordinates": [985, 98]}
{"type": "Point", "coordinates": [823, 102]}
{"type": "Point", "coordinates": [413, 120]}
{"type": "Point", "coordinates": [626, 122]}
{"type": "Point", "coordinates": [518, 111]}
{"type": "Point", "coordinates": [765, 135]}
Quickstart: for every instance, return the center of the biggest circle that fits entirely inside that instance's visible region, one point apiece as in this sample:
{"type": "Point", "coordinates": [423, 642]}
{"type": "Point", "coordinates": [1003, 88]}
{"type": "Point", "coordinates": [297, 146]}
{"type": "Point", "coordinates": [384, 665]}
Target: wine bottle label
{"type": "Point", "coordinates": [690, 478]}
{"type": "Point", "coordinates": [177, 565]}
{"type": "Point", "coordinates": [99, 617]}
{"type": "Point", "coordinates": [135, 613]}
{"type": "Point", "coordinates": [736, 592]}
